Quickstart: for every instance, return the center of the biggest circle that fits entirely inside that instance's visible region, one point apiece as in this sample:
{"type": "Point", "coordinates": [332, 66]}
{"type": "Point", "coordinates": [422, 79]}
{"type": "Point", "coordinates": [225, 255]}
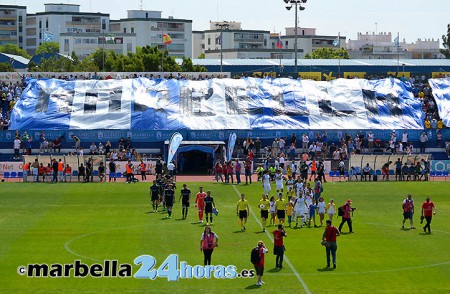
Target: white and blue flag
{"type": "Point", "coordinates": [231, 143]}
{"type": "Point", "coordinates": [175, 142]}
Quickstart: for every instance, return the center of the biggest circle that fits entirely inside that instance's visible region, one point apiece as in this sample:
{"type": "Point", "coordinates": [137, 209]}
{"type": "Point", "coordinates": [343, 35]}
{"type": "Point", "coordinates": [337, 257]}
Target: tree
{"type": "Point", "coordinates": [6, 67]}
{"type": "Point", "coordinates": [48, 47]}
{"type": "Point", "coordinates": [328, 53]}
{"type": "Point", "coordinates": [57, 64]}
{"type": "Point", "coordinates": [446, 42]}
{"type": "Point", "coordinates": [14, 49]}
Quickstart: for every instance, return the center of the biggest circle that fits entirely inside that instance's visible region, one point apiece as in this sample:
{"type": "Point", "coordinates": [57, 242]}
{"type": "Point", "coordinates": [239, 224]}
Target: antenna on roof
{"type": "Point", "coordinates": [142, 5]}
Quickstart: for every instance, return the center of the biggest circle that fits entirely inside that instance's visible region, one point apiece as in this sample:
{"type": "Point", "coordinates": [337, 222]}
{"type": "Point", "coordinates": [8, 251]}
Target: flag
{"type": "Point", "coordinates": [175, 142]}
{"type": "Point", "coordinates": [231, 143]}
{"type": "Point", "coordinates": [396, 42]}
{"type": "Point", "coordinates": [279, 42]}
{"type": "Point", "coordinates": [48, 36]}
{"type": "Point", "coordinates": [218, 40]}
{"type": "Point", "coordinates": [336, 41]}
{"type": "Point", "coordinates": [167, 39]}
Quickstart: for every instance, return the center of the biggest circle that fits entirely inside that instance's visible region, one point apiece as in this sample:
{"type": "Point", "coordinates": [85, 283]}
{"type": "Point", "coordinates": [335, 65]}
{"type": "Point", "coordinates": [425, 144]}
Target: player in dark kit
{"type": "Point", "coordinates": [185, 196]}
{"type": "Point", "coordinates": [154, 192]}
{"type": "Point", "coordinates": [169, 196]}
{"type": "Point", "coordinates": [209, 205]}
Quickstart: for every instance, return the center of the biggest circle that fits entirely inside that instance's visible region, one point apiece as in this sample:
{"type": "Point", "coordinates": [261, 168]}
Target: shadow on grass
{"type": "Point", "coordinates": [274, 270]}
{"type": "Point", "coordinates": [325, 269]}
{"type": "Point", "coordinates": [252, 287]}
{"type": "Point", "coordinates": [240, 231]}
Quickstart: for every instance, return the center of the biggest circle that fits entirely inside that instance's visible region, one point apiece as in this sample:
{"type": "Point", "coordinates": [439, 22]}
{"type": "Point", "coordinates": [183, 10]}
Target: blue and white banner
{"type": "Point", "coordinates": [231, 143]}
{"type": "Point", "coordinates": [175, 142]}
{"type": "Point", "coordinates": [441, 93]}
{"type": "Point", "coordinates": [217, 104]}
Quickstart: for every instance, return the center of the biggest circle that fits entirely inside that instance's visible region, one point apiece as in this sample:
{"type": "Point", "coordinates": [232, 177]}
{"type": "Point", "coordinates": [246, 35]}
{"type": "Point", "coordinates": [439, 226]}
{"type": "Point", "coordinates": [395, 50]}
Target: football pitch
{"type": "Point", "coordinates": [106, 230]}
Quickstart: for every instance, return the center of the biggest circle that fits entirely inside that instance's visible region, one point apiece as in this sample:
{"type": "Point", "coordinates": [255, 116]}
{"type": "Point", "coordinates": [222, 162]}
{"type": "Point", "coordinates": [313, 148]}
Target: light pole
{"type": "Point", "coordinates": [222, 26]}
{"type": "Point", "coordinates": [297, 6]}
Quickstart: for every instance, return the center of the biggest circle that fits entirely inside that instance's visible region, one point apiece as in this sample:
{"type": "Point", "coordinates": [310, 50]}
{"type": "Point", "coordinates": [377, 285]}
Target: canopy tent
{"type": "Point", "coordinates": [208, 147]}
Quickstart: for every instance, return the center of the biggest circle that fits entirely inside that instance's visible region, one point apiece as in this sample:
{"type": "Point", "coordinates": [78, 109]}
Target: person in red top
{"type": "Point", "coordinates": [26, 170]}
{"type": "Point", "coordinates": [208, 242]}
{"type": "Point", "coordinates": [259, 267]}
{"type": "Point", "coordinates": [200, 204]}
{"type": "Point", "coordinates": [218, 171]}
{"type": "Point", "coordinates": [225, 172]}
{"type": "Point", "coordinates": [278, 245]}
{"type": "Point", "coordinates": [408, 211]}
{"type": "Point", "coordinates": [230, 171]}
{"type": "Point", "coordinates": [428, 209]}
{"type": "Point", "coordinates": [248, 170]}
{"type": "Point", "coordinates": [329, 241]}
{"type": "Point", "coordinates": [68, 173]}
{"type": "Point", "coordinates": [143, 171]}
{"type": "Point", "coordinates": [347, 217]}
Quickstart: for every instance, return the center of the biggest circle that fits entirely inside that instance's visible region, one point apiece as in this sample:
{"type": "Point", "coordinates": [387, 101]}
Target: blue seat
{"type": "Point", "coordinates": [432, 174]}
{"type": "Point", "coordinates": [75, 173]}
{"type": "Point", "coordinates": [13, 175]}
{"type": "Point", "coordinates": [391, 172]}
{"type": "Point", "coordinates": [438, 174]}
{"type": "Point", "coordinates": [95, 173]}
{"type": "Point", "coordinates": [20, 174]}
{"type": "Point", "coordinates": [378, 172]}
{"type": "Point", "coordinates": [445, 174]}
{"type": "Point", "coordinates": [332, 174]}
{"type": "Point", "coordinates": [118, 175]}
{"type": "Point", "coordinates": [6, 175]}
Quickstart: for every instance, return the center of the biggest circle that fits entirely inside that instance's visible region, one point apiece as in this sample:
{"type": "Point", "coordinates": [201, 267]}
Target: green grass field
{"type": "Point", "coordinates": [58, 224]}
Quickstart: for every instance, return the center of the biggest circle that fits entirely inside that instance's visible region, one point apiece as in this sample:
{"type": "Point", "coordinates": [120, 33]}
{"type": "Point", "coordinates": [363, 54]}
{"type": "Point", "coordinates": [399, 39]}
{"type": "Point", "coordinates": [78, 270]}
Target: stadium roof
{"type": "Point", "coordinates": [323, 62]}
{"type": "Point", "coordinates": [18, 63]}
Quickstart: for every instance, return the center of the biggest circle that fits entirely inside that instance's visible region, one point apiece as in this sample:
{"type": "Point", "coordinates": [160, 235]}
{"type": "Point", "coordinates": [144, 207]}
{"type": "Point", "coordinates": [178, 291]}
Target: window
{"type": "Point", "coordinates": [46, 23]}
{"type": "Point", "coordinates": [209, 41]}
{"type": "Point", "coordinates": [66, 41]}
{"type": "Point", "coordinates": [132, 30]}
{"type": "Point", "coordinates": [124, 30]}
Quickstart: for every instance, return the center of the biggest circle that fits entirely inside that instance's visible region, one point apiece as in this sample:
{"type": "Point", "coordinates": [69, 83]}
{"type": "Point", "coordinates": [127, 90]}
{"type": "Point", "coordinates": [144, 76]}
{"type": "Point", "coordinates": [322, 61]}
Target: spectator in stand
{"type": "Point", "coordinates": [16, 146]}
{"type": "Point", "coordinates": [370, 139]}
{"type": "Point", "coordinates": [447, 147]}
{"type": "Point", "coordinates": [257, 147]}
{"type": "Point", "coordinates": [423, 142]}
{"type": "Point", "coordinates": [305, 142]}
{"type": "Point", "coordinates": [57, 144]}
{"type": "Point", "coordinates": [77, 141]}
{"type": "Point", "coordinates": [108, 148]}
{"type": "Point", "coordinates": [275, 148]}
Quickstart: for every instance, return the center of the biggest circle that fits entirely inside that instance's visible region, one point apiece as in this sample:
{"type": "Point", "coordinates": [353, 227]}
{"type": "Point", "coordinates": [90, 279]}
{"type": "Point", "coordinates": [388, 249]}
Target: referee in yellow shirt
{"type": "Point", "coordinates": [264, 205]}
{"type": "Point", "coordinates": [280, 205]}
{"type": "Point", "coordinates": [242, 210]}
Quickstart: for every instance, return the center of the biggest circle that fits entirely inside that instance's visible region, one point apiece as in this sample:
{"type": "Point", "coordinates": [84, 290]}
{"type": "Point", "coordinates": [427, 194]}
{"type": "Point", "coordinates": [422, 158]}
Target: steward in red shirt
{"type": "Point", "coordinates": [427, 213]}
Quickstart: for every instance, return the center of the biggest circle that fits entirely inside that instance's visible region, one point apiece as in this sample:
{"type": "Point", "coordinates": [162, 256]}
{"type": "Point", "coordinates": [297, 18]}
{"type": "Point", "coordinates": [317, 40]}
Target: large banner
{"type": "Point", "coordinates": [217, 104]}
{"type": "Point", "coordinates": [441, 93]}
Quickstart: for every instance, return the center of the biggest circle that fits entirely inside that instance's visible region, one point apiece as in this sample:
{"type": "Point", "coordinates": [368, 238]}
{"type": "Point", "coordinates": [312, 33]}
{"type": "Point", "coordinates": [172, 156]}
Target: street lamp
{"type": "Point", "coordinates": [296, 4]}
{"type": "Point", "coordinates": [222, 26]}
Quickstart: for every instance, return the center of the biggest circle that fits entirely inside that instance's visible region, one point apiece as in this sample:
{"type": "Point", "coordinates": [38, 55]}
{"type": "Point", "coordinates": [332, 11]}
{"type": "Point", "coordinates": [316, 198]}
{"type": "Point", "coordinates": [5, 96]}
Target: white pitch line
{"type": "Point", "coordinates": [285, 257]}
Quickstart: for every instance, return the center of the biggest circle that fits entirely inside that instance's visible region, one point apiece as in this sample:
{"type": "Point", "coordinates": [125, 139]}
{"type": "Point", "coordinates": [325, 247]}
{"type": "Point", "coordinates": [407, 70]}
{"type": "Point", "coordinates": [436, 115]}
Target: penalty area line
{"type": "Point", "coordinates": [271, 239]}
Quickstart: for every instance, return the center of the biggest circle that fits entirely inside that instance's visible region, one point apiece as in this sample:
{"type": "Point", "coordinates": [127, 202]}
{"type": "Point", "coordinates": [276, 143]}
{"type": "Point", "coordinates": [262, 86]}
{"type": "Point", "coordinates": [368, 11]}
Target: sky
{"type": "Point", "coordinates": [412, 19]}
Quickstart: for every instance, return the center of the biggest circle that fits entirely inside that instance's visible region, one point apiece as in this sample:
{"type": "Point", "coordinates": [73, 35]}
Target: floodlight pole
{"type": "Point", "coordinates": [222, 26]}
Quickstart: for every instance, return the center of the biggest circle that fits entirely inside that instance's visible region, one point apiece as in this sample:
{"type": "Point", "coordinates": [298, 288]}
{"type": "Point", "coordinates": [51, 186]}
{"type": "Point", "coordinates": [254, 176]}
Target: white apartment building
{"type": "Point", "coordinates": [60, 19]}
{"type": "Point", "coordinates": [12, 20]}
{"type": "Point", "coordinates": [257, 44]}
{"type": "Point", "coordinates": [149, 28]}
{"type": "Point", "coordinates": [382, 46]}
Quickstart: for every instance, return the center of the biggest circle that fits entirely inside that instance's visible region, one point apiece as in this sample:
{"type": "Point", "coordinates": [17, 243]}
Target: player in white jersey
{"type": "Point", "coordinates": [299, 211]}
{"type": "Point", "coordinates": [290, 183]}
{"type": "Point", "coordinates": [266, 182]}
{"type": "Point", "coordinates": [279, 181]}
{"type": "Point", "coordinates": [298, 186]}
